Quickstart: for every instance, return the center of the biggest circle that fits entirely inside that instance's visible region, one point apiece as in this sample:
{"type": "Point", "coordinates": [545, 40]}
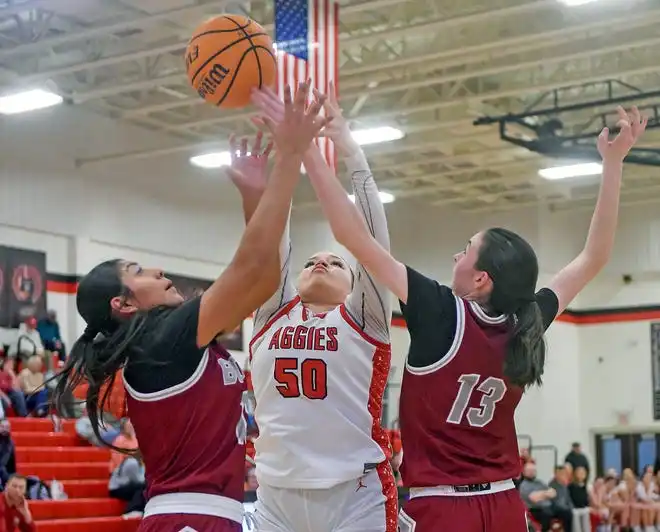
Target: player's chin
{"type": "Point", "coordinates": [173, 298]}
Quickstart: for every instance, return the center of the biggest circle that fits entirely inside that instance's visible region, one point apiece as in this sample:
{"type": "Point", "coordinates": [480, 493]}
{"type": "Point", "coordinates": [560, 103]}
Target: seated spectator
{"type": "Point", "coordinates": [49, 331]}
{"type": "Point", "coordinates": [125, 440]}
{"type": "Point", "coordinates": [27, 343]}
{"type": "Point", "coordinates": [579, 494]}
{"type": "Point", "coordinates": [625, 496]}
{"type": "Point", "coordinates": [109, 429]}
{"type": "Point", "coordinates": [15, 513]}
{"type": "Point", "coordinates": [538, 497]}
{"type": "Point", "coordinates": [127, 482]}
{"type": "Point", "coordinates": [31, 380]}
{"type": "Point", "coordinates": [7, 454]}
{"type": "Point", "coordinates": [10, 390]}
{"type": "Point", "coordinates": [646, 501]}
{"type": "Point", "coordinates": [562, 505]}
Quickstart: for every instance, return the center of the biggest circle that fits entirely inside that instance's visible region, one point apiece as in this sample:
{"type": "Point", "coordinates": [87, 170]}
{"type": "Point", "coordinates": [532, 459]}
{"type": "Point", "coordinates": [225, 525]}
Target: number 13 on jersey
{"type": "Point", "coordinates": [308, 378]}
{"type": "Point", "coordinates": [491, 390]}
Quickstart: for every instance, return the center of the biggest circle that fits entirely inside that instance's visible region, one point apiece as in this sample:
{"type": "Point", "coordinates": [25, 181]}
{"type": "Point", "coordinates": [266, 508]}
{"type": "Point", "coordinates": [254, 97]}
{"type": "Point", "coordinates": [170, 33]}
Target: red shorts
{"type": "Point", "coordinates": [503, 511]}
{"type": "Point", "coordinates": [188, 523]}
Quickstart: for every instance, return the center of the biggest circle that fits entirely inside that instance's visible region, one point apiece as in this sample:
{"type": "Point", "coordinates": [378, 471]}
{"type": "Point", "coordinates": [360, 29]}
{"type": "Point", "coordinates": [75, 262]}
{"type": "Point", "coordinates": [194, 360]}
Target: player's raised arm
{"type": "Point", "coordinates": [600, 239]}
{"type": "Point", "coordinates": [248, 172]}
{"type": "Point", "coordinates": [369, 303]}
{"type": "Point", "coordinates": [254, 273]}
{"type": "Point", "coordinates": [346, 222]}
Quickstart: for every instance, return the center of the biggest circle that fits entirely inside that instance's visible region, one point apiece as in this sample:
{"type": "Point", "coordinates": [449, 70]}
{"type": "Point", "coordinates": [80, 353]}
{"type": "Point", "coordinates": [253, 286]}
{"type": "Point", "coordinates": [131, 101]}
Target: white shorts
{"type": "Point", "coordinates": [368, 504]}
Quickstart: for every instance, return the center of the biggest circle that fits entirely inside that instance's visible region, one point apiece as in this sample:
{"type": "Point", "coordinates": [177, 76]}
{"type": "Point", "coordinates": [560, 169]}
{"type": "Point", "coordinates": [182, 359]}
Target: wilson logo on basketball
{"type": "Point", "coordinates": [212, 80]}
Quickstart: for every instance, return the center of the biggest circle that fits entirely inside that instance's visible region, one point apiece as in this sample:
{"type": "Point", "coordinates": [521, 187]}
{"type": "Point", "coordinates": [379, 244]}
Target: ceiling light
{"type": "Point", "coordinates": [385, 197]}
{"type": "Point", "coordinates": [23, 102]}
{"type": "Point", "coordinates": [572, 3]}
{"type": "Point", "coordinates": [377, 135]}
{"type": "Point", "coordinates": [570, 171]}
{"type": "Point", "coordinates": [215, 159]}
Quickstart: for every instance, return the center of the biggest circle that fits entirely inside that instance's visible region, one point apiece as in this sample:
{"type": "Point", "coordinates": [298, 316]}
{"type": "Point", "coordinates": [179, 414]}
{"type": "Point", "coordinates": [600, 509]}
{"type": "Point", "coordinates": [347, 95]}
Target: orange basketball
{"type": "Point", "coordinates": [226, 57]}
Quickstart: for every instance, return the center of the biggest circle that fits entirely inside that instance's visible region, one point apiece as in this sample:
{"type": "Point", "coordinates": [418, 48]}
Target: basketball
{"type": "Point", "coordinates": [226, 57]}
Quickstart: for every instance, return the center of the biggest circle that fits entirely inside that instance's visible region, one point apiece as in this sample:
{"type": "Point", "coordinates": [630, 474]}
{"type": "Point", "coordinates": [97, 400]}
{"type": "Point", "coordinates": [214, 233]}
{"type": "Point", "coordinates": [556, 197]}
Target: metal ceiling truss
{"type": "Point", "coordinates": [428, 67]}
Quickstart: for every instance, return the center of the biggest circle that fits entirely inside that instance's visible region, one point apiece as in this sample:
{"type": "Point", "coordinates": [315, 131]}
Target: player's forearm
{"type": "Point", "coordinates": [347, 225]}
{"type": "Point", "coordinates": [367, 196]}
{"type": "Point", "coordinates": [250, 199]}
{"type": "Point", "coordinates": [600, 239]}
{"type": "Point", "coordinates": [263, 234]}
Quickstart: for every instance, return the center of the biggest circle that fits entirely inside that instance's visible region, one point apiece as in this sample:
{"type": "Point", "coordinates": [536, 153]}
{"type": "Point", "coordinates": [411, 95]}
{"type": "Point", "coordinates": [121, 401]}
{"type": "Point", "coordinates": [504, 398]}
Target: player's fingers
{"type": "Point", "coordinates": [314, 109]}
{"type": "Point", "coordinates": [233, 147]}
{"type": "Point", "coordinates": [636, 115]}
{"type": "Point", "coordinates": [288, 103]}
{"type": "Point", "coordinates": [270, 125]}
{"type": "Point", "coordinates": [244, 147]}
{"type": "Point", "coordinates": [622, 114]}
{"type": "Point", "coordinates": [257, 121]}
{"type": "Point", "coordinates": [256, 146]}
{"type": "Point", "coordinates": [332, 93]}
{"type": "Point", "coordinates": [269, 148]}
{"type": "Point", "coordinates": [302, 96]}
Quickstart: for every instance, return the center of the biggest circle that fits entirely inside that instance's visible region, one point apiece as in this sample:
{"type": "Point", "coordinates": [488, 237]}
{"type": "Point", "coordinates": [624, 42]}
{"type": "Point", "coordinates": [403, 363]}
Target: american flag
{"type": "Point", "coordinates": [307, 36]}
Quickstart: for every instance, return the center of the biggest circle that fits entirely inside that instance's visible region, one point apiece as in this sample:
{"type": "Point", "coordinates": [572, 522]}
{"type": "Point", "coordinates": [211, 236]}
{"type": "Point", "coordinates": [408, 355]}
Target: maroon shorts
{"type": "Point", "coordinates": [188, 523]}
{"type": "Point", "coordinates": [494, 512]}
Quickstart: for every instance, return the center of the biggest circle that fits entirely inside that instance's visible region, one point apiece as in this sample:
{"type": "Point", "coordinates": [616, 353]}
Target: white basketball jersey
{"type": "Point", "coordinates": [318, 382]}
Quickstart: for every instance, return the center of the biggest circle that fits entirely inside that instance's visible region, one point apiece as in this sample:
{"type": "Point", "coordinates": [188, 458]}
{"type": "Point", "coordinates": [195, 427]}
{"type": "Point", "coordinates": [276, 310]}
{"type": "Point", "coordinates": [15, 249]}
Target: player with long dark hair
{"type": "Point", "coordinates": [184, 391]}
{"type": "Point", "coordinates": [475, 347]}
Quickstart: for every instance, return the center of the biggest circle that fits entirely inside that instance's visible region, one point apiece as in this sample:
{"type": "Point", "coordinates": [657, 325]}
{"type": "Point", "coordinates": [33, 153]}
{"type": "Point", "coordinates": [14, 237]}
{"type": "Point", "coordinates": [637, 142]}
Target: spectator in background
{"type": "Point", "coordinates": [15, 514]}
{"type": "Point", "coordinates": [576, 458]}
{"type": "Point", "coordinates": [646, 499]}
{"type": "Point", "coordinates": [562, 505]}
{"type": "Point", "coordinates": [49, 331]}
{"type": "Point", "coordinates": [537, 496]}
{"type": "Point", "coordinates": [579, 493]}
{"type": "Point", "coordinates": [27, 344]}
{"type": "Point", "coordinates": [127, 481]}
{"type": "Point", "coordinates": [7, 455]}
{"type": "Point", "coordinates": [32, 380]}
{"type": "Point", "coordinates": [10, 390]}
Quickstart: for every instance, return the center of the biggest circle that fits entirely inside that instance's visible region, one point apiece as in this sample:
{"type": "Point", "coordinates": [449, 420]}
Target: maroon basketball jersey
{"type": "Point", "coordinates": [192, 436]}
{"type": "Point", "coordinates": [457, 416]}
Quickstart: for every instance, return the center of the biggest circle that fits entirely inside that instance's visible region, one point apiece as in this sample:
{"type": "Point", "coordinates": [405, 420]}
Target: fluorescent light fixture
{"type": "Point", "coordinates": [385, 197]}
{"type": "Point", "coordinates": [363, 137]}
{"type": "Point", "coordinates": [377, 135]}
{"type": "Point", "coordinates": [23, 102]}
{"type": "Point", "coordinates": [572, 170]}
{"type": "Point", "coordinates": [216, 159]}
{"type": "Point", "coordinates": [572, 3]}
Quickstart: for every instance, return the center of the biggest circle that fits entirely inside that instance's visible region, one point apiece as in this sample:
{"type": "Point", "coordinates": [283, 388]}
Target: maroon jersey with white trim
{"type": "Point", "coordinates": [192, 436]}
{"type": "Point", "coordinates": [457, 416]}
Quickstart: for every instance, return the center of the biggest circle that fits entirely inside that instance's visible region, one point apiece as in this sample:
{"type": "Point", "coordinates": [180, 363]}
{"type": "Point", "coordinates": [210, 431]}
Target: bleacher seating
{"type": "Point", "coordinates": [83, 472]}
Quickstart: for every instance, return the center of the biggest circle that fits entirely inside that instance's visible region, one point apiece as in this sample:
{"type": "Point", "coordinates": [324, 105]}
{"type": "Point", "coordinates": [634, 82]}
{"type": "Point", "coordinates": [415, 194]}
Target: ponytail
{"type": "Point", "coordinates": [95, 360]}
{"type": "Point", "coordinates": [525, 357]}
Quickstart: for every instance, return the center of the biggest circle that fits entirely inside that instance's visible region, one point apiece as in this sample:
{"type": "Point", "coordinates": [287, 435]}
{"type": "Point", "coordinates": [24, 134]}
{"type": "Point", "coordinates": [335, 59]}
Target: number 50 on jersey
{"type": "Point", "coordinates": [308, 378]}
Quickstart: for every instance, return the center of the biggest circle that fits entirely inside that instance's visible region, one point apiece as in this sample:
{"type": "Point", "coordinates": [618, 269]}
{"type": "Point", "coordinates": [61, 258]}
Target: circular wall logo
{"type": "Point", "coordinates": [27, 283]}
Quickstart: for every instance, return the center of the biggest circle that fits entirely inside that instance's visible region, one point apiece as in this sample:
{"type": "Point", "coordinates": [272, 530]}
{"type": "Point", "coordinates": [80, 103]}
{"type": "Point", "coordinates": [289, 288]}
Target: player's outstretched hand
{"type": "Point", "coordinates": [632, 125]}
{"type": "Point", "coordinates": [338, 130]}
{"type": "Point", "coordinates": [248, 169]}
{"type": "Point", "coordinates": [300, 123]}
{"type": "Point", "coordinates": [270, 105]}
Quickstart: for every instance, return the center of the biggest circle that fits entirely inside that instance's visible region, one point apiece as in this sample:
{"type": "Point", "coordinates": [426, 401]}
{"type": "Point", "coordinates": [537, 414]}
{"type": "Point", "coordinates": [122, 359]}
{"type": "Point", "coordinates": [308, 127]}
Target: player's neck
{"type": "Point", "coordinates": [316, 308]}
